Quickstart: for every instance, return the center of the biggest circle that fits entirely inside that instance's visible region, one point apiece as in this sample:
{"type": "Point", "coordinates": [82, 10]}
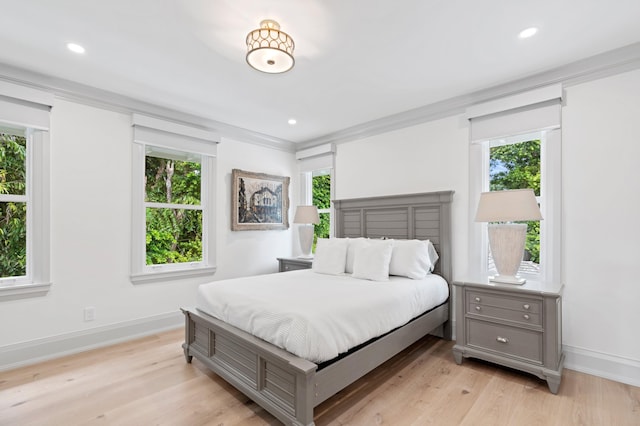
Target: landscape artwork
{"type": "Point", "coordinates": [259, 202]}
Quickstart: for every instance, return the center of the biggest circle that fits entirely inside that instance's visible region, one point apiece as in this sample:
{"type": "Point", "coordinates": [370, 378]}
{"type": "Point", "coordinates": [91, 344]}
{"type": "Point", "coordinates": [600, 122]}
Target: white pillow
{"type": "Point", "coordinates": [354, 243]}
{"type": "Point", "coordinates": [412, 258]}
{"type": "Point", "coordinates": [371, 261]}
{"type": "Point", "coordinates": [331, 256]}
{"type": "Point", "coordinates": [433, 255]}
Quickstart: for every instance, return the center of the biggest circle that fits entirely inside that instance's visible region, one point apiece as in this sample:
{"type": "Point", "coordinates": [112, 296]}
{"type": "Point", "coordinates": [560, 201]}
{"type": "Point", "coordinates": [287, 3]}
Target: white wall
{"type": "Point", "coordinates": [601, 179]}
{"type": "Point", "coordinates": [424, 158]}
{"type": "Point", "coordinates": [90, 238]}
{"type": "Point", "coordinates": [601, 200]}
{"type": "Point", "coordinates": [245, 253]}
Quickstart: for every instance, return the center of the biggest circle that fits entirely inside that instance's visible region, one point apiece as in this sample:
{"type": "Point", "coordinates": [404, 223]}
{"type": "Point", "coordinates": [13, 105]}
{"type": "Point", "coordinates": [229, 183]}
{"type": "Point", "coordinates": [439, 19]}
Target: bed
{"type": "Point", "coordinates": [289, 386]}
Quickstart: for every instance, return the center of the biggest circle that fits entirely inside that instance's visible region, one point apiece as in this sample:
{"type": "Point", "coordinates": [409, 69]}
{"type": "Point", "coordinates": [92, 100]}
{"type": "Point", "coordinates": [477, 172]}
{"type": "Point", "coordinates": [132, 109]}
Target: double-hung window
{"type": "Point", "coordinates": [174, 195]}
{"type": "Point", "coordinates": [316, 167]}
{"type": "Point", "coordinates": [516, 144]}
{"type": "Point", "coordinates": [24, 191]}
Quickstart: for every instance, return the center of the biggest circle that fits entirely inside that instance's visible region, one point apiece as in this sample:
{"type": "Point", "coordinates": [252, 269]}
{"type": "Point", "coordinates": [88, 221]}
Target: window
{"type": "Point", "coordinates": [24, 191]}
{"type": "Point", "coordinates": [316, 185]}
{"type": "Point", "coordinates": [13, 206]}
{"type": "Point", "coordinates": [173, 190]}
{"type": "Point", "coordinates": [516, 143]}
{"type": "Point", "coordinates": [173, 210]}
{"type": "Point", "coordinates": [321, 198]}
{"type": "Point", "coordinates": [515, 163]}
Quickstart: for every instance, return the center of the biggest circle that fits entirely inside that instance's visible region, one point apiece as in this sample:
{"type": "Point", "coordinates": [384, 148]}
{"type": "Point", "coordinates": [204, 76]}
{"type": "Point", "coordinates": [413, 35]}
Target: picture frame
{"type": "Point", "coordinates": [259, 201]}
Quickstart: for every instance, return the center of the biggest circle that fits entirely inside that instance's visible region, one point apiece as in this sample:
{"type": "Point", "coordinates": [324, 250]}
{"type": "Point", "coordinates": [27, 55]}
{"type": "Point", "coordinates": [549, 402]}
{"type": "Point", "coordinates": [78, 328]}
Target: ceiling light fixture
{"type": "Point", "coordinates": [269, 49]}
{"type": "Point", "coordinates": [75, 48]}
{"type": "Point", "coordinates": [529, 32]}
{"type": "Point", "coordinates": [292, 121]}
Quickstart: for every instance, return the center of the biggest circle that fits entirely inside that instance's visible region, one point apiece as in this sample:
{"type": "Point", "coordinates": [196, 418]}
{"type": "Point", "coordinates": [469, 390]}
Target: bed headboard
{"type": "Point", "coordinates": [425, 216]}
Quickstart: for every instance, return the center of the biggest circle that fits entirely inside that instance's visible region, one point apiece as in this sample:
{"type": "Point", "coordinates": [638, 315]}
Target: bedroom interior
{"type": "Point", "coordinates": [413, 122]}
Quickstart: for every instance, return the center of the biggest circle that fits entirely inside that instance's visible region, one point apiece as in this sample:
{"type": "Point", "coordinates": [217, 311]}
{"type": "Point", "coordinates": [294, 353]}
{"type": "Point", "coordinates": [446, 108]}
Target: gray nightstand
{"type": "Point", "coordinates": [293, 263]}
{"type": "Point", "coordinates": [518, 326]}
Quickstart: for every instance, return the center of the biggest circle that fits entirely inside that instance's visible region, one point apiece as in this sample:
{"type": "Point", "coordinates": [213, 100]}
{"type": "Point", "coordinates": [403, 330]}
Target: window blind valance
{"type": "Point", "coordinates": [526, 112]}
{"type": "Point", "coordinates": [316, 158]}
{"type": "Point", "coordinates": [24, 107]}
{"type": "Point", "coordinates": [166, 134]}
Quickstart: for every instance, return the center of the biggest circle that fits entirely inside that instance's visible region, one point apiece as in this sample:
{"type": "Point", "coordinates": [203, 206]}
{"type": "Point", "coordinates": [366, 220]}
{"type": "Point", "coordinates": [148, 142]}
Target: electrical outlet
{"type": "Point", "coordinates": [89, 313]}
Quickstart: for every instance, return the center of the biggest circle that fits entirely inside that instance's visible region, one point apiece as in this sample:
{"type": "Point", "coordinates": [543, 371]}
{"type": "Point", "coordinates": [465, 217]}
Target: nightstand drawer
{"type": "Point", "coordinates": [527, 305]}
{"type": "Point", "coordinates": [517, 342]}
{"type": "Point", "coordinates": [293, 266]}
{"type": "Point", "coordinates": [520, 316]}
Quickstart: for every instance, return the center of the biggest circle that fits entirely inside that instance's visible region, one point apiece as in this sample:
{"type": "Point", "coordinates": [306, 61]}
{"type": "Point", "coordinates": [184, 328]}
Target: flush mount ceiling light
{"type": "Point", "coordinates": [269, 49]}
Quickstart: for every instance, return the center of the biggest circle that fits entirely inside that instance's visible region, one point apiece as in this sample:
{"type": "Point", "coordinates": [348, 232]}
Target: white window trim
{"type": "Point", "coordinates": [310, 160]}
{"type": "Point", "coordinates": [551, 202]}
{"type": "Point", "coordinates": [28, 109]}
{"type": "Point", "coordinates": [177, 137]}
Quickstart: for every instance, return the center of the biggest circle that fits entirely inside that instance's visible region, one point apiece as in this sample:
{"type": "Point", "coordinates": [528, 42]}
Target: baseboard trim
{"type": "Point", "coordinates": [613, 367]}
{"type": "Point", "coordinates": [34, 351]}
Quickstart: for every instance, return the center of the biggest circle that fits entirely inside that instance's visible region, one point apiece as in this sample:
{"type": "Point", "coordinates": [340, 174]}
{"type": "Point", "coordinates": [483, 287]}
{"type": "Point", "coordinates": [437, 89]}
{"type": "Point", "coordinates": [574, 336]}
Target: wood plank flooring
{"type": "Point", "coordinates": [148, 382]}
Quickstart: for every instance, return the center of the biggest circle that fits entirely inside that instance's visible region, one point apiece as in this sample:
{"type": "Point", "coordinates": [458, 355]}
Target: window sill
{"type": "Point", "coordinates": [151, 277]}
{"type": "Point", "coordinates": [22, 291]}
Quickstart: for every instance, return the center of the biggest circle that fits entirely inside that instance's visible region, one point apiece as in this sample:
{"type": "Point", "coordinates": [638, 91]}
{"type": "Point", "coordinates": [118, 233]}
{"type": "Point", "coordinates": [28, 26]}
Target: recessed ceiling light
{"type": "Point", "coordinates": [292, 121]}
{"type": "Point", "coordinates": [529, 32]}
{"type": "Point", "coordinates": [75, 48]}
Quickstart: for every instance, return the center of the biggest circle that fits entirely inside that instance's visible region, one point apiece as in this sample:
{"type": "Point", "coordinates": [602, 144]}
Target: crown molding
{"type": "Point", "coordinates": [91, 96]}
{"type": "Point", "coordinates": [599, 66]}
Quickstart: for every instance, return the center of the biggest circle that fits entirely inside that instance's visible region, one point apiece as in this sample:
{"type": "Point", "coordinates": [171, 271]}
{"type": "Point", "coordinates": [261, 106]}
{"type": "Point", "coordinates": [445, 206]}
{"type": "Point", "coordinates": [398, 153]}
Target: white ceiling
{"type": "Point", "coordinates": [356, 60]}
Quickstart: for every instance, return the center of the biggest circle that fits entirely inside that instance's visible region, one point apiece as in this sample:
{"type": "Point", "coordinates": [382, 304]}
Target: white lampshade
{"type": "Point", "coordinates": [508, 206]}
{"type": "Point", "coordinates": [306, 214]}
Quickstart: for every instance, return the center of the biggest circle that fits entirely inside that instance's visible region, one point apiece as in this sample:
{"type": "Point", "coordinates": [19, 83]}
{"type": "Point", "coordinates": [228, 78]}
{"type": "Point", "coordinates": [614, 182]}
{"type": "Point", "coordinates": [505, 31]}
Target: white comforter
{"type": "Point", "coordinates": [317, 316]}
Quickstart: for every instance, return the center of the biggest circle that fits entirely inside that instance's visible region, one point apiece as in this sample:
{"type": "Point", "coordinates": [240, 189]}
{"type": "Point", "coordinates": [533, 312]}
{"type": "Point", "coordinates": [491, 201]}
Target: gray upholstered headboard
{"type": "Point", "coordinates": [425, 216]}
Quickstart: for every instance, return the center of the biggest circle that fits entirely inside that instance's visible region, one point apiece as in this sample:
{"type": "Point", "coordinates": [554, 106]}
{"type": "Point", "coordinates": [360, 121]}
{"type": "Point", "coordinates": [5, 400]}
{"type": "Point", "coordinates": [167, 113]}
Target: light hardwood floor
{"type": "Point", "coordinates": [148, 382]}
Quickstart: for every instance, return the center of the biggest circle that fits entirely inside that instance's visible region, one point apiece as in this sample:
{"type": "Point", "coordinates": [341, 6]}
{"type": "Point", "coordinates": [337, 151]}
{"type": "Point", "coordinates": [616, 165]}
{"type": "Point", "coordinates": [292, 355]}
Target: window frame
{"type": "Point", "coordinates": [25, 111]}
{"type": "Point", "coordinates": [153, 133]}
{"type": "Point", "coordinates": [313, 160]}
{"type": "Point", "coordinates": [549, 200]}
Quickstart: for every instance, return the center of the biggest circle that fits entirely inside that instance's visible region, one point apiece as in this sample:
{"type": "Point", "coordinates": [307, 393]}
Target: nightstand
{"type": "Point", "coordinates": [518, 326]}
{"type": "Point", "coordinates": [293, 263]}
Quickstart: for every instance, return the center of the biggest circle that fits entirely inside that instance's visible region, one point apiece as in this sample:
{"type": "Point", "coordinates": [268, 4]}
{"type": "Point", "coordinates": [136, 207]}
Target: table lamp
{"type": "Point", "coordinates": [306, 216]}
{"type": "Point", "coordinates": [506, 239]}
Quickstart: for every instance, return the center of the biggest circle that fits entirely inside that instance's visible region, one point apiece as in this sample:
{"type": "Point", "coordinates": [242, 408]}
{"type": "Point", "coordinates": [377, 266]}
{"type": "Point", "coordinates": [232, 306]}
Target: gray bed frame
{"type": "Point", "coordinates": [290, 387]}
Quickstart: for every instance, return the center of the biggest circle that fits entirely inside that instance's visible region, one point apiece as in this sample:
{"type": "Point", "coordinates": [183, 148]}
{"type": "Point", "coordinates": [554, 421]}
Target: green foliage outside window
{"type": "Point", "coordinates": [517, 166]}
{"type": "Point", "coordinates": [321, 189]}
{"type": "Point", "coordinates": [13, 214]}
{"type": "Point", "coordinates": [174, 235]}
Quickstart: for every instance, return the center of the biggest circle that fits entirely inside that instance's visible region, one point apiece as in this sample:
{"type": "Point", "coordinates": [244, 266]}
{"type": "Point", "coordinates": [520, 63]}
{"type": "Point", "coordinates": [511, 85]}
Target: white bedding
{"type": "Point", "coordinates": [317, 316]}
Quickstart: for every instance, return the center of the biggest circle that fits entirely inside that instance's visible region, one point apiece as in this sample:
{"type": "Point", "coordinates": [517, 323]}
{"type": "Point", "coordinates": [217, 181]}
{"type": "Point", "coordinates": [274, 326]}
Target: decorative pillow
{"type": "Point", "coordinates": [412, 258]}
{"type": "Point", "coordinates": [331, 256]}
{"type": "Point", "coordinates": [371, 261]}
{"type": "Point", "coordinates": [354, 243]}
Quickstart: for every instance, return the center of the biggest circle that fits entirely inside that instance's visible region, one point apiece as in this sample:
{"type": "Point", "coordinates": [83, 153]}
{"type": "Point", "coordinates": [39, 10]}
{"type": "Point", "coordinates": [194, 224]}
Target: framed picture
{"type": "Point", "coordinates": [259, 201]}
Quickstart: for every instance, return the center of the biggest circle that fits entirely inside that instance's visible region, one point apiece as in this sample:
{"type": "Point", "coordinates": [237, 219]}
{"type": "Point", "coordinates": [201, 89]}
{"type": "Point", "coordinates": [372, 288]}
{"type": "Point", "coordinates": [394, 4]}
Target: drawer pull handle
{"type": "Point", "coordinates": [526, 306]}
{"type": "Point", "coordinates": [526, 316]}
{"type": "Point", "coordinates": [477, 299]}
{"type": "Point", "coordinates": [478, 308]}
{"type": "Point", "coordinates": [502, 339]}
